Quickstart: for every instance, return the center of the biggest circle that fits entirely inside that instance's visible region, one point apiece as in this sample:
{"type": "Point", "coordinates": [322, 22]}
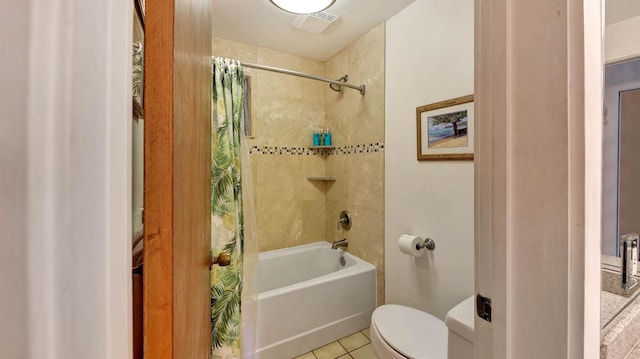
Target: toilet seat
{"type": "Point", "coordinates": [409, 332]}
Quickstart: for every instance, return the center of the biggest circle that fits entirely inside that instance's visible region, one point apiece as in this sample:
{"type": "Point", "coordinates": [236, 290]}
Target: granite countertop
{"type": "Point", "coordinates": [620, 335]}
{"type": "Point", "coordinates": [619, 313]}
{"type": "Point", "coordinates": [610, 305]}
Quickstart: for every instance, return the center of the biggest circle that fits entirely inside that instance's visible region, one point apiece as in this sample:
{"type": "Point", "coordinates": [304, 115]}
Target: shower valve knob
{"type": "Point", "coordinates": [223, 259]}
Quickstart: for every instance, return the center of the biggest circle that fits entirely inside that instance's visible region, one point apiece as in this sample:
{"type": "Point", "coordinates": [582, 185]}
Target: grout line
{"type": "Point", "coordinates": [345, 349]}
{"type": "Point", "coordinates": [312, 354]}
{"type": "Point", "coordinates": [338, 341]}
{"type": "Point", "coordinates": [362, 331]}
{"type": "Point", "coordinates": [363, 345]}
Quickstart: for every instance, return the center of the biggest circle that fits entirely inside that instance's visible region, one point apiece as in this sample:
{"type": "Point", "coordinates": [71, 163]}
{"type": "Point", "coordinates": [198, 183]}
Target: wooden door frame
{"type": "Point", "coordinates": [177, 181]}
{"type": "Point", "coordinates": [498, 253]}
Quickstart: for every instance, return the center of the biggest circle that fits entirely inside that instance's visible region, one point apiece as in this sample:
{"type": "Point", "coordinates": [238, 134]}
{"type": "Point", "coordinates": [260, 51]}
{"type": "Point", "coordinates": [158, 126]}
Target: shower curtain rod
{"type": "Point", "coordinates": [360, 88]}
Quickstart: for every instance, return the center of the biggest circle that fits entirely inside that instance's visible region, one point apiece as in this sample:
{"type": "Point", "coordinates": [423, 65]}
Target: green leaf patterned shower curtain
{"type": "Point", "coordinates": [138, 76]}
{"type": "Point", "coordinates": [227, 220]}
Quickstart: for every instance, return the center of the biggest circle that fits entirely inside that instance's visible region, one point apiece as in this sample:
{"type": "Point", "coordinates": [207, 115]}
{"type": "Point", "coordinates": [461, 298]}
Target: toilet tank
{"type": "Point", "coordinates": [459, 321]}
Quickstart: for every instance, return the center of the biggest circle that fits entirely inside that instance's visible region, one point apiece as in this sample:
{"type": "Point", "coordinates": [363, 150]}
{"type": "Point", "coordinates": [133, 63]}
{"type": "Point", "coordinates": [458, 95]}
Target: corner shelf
{"type": "Point", "coordinates": [324, 151]}
{"type": "Point", "coordinates": [330, 179]}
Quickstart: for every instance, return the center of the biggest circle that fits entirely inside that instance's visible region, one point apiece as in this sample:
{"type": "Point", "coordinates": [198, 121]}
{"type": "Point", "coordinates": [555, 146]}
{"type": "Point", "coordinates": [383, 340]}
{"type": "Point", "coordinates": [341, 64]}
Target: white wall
{"type": "Point", "coordinates": [621, 40]}
{"type": "Point", "coordinates": [429, 58]}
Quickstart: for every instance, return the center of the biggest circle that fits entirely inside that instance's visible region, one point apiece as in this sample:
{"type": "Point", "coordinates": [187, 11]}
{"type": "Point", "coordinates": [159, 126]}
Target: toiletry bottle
{"type": "Point", "coordinates": [316, 138]}
{"type": "Point", "coordinates": [634, 256]}
{"type": "Point", "coordinates": [321, 138]}
{"type": "Point", "coordinates": [327, 138]}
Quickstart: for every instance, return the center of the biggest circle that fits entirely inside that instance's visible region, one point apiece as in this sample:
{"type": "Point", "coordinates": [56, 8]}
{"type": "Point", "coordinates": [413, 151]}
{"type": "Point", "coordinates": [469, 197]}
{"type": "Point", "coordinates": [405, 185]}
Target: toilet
{"type": "Point", "coordinates": [400, 332]}
{"type": "Point", "coordinates": [459, 320]}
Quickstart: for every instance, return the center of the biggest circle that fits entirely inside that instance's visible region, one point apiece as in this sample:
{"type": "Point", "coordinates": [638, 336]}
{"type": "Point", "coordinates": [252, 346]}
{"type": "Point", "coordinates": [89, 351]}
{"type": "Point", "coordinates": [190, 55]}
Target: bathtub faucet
{"type": "Point", "coordinates": [344, 220]}
{"type": "Point", "coordinates": [340, 243]}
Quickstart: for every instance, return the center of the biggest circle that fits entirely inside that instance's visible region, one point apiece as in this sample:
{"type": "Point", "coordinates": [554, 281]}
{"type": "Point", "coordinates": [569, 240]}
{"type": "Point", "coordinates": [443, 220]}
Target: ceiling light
{"type": "Point", "coordinates": [303, 6]}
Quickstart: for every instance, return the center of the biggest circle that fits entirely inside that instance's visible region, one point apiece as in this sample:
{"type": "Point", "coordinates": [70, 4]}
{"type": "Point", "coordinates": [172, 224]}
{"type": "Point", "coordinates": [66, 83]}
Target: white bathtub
{"type": "Point", "coordinates": [307, 299]}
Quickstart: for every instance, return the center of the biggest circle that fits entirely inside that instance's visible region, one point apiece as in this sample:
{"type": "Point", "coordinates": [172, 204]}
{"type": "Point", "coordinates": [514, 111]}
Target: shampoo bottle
{"type": "Point", "coordinates": [327, 138]}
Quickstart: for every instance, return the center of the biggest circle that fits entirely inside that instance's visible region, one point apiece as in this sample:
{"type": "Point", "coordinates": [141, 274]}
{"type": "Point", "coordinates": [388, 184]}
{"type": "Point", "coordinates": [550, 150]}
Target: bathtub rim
{"type": "Point", "coordinates": [360, 266]}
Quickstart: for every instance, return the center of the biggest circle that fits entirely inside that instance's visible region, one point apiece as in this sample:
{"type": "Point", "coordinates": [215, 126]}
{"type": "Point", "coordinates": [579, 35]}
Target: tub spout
{"type": "Point", "coordinates": [340, 243]}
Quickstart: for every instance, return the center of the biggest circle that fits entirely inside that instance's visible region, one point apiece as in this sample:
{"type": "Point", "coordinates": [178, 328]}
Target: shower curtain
{"type": "Point", "coordinates": [233, 294]}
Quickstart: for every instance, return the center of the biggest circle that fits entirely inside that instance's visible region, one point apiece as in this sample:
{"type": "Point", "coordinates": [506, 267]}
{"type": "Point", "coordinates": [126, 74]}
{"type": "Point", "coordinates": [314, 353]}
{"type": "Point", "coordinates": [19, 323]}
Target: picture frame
{"type": "Point", "coordinates": [445, 130]}
{"type": "Point", "coordinates": [138, 61]}
{"type": "Point", "coordinates": [141, 11]}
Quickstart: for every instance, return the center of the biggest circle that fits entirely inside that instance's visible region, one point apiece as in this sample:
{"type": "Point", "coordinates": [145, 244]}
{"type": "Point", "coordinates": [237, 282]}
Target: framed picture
{"type": "Point", "coordinates": [138, 62]}
{"type": "Point", "coordinates": [141, 10]}
{"type": "Point", "coordinates": [445, 130]}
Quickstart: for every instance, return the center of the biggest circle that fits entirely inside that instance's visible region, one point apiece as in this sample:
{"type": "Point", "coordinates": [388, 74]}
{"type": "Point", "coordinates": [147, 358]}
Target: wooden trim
{"type": "Point", "coordinates": [158, 180]}
{"type": "Point", "coordinates": [177, 303]}
{"type": "Point", "coordinates": [446, 103]}
{"type": "Point", "coordinates": [192, 179]}
{"type": "Point", "coordinates": [589, 338]}
{"type": "Point", "coordinates": [491, 89]}
{"type": "Point", "coordinates": [447, 157]}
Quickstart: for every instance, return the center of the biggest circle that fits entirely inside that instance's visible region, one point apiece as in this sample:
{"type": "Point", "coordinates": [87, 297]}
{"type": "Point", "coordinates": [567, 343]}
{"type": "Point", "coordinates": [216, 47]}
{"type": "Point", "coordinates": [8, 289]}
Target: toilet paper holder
{"type": "Point", "coordinates": [428, 244]}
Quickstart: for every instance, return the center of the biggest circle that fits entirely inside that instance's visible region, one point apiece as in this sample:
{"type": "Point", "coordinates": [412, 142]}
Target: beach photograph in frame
{"type": "Point", "coordinates": [445, 130]}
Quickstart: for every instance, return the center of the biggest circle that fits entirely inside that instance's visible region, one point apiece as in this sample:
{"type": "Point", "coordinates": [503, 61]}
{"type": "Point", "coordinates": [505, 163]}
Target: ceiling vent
{"type": "Point", "coordinates": [315, 23]}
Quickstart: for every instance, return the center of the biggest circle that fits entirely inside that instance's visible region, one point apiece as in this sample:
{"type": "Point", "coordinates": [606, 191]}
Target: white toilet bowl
{"type": "Point", "coordinates": [400, 332]}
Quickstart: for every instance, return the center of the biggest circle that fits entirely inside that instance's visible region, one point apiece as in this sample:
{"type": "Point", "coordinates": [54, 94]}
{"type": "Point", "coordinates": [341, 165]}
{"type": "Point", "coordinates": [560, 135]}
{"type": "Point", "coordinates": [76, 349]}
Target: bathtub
{"type": "Point", "coordinates": [307, 298]}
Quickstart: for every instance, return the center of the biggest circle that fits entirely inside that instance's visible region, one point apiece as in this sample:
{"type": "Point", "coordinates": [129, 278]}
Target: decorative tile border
{"type": "Point", "coordinates": [364, 148]}
{"type": "Point", "coordinates": [276, 150]}
{"type": "Point", "coordinates": [316, 151]}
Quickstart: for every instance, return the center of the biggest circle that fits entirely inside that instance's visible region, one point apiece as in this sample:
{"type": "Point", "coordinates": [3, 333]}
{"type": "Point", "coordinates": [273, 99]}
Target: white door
{"type": "Point", "coordinates": [537, 177]}
{"type": "Point", "coordinates": [66, 78]}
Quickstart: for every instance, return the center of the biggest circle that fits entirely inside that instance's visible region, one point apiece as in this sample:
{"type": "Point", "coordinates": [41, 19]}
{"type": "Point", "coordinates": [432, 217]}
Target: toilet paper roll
{"type": "Point", "coordinates": [408, 244]}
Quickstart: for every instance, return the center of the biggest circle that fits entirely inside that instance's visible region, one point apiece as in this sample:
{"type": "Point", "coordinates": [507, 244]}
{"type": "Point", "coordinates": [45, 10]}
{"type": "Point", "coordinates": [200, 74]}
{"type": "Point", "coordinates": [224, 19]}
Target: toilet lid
{"type": "Point", "coordinates": [411, 332]}
{"type": "Point", "coordinates": [460, 318]}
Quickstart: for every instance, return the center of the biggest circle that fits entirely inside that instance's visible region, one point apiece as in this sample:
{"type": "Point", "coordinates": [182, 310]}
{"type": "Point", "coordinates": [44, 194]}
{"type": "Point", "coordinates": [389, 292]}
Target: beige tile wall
{"type": "Point", "coordinates": [355, 119]}
{"type": "Point", "coordinates": [291, 210]}
{"type": "Point", "coordinates": [285, 110]}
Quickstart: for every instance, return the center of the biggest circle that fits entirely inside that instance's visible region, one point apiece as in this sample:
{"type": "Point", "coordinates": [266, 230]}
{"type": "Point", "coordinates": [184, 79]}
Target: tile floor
{"type": "Point", "coordinates": [635, 351]}
{"type": "Point", "coordinates": [355, 346]}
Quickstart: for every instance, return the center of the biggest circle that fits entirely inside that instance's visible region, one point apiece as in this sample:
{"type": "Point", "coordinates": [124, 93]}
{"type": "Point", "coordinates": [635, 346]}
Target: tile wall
{"type": "Point", "coordinates": [290, 209]}
{"type": "Point", "coordinates": [358, 120]}
{"type": "Point", "coordinates": [284, 110]}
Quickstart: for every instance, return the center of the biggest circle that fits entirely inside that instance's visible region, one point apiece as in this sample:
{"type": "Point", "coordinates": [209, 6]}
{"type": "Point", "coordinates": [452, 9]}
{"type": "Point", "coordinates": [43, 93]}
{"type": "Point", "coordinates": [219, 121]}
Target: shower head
{"type": "Point", "coordinates": [338, 88]}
